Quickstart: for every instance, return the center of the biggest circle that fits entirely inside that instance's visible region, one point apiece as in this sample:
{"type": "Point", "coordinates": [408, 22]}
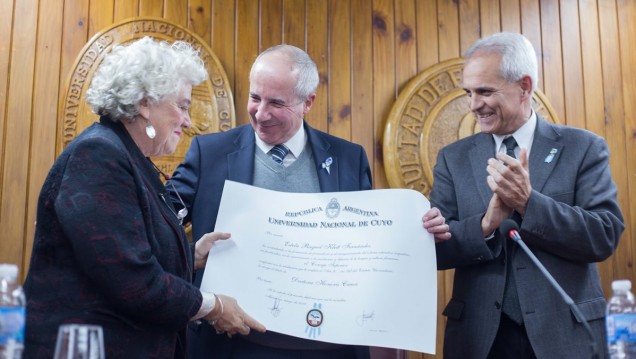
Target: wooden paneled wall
{"type": "Point", "coordinates": [366, 50]}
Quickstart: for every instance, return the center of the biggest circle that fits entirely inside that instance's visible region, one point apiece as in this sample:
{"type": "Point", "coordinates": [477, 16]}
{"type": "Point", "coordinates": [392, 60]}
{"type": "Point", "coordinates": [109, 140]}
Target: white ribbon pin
{"type": "Point", "coordinates": [327, 163]}
{"type": "Point", "coordinates": [550, 156]}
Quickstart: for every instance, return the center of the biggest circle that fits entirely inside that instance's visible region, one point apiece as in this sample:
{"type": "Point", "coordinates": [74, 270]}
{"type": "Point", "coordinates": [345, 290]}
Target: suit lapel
{"type": "Point", "coordinates": [241, 161]}
{"type": "Point", "coordinates": [320, 147]}
{"type": "Point", "coordinates": [483, 149]}
{"type": "Point", "coordinates": [546, 151]}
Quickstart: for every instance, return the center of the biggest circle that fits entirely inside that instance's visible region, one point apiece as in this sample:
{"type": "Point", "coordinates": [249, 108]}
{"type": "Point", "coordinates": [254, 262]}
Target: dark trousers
{"type": "Point", "coordinates": [245, 349]}
{"type": "Point", "coordinates": [511, 341]}
{"type": "Point", "coordinates": [203, 342]}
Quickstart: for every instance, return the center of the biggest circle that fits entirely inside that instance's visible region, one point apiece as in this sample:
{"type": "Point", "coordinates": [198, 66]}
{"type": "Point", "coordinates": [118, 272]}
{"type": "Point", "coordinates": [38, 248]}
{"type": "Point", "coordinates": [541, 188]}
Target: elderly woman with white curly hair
{"type": "Point", "coordinates": [109, 248]}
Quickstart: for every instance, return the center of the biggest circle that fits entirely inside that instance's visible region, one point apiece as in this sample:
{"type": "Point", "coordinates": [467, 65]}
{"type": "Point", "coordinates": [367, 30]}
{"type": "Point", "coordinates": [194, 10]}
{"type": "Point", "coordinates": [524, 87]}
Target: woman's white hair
{"type": "Point", "coordinates": [518, 58]}
{"type": "Point", "coordinates": [142, 70]}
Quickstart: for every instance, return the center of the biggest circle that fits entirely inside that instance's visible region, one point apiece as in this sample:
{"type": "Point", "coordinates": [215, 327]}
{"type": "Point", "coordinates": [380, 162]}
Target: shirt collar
{"type": "Point", "coordinates": [296, 144]}
{"type": "Point", "coordinates": [524, 135]}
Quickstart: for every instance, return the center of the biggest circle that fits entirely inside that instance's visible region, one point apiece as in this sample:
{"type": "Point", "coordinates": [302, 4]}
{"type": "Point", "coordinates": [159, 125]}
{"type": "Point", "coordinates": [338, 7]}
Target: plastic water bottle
{"type": "Point", "coordinates": [12, 313]}
{"type": "Point", "coordinates": [621, 321]}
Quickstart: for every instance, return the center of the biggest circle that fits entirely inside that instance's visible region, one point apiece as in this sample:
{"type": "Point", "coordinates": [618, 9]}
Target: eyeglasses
{"type": "Point", "coordinates": [183, 212]}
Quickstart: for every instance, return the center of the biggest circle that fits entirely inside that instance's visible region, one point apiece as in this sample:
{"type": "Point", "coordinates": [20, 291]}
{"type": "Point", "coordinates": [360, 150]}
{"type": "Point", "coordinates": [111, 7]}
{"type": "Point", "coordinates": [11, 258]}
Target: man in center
{"type": "Point", "coordinates": [277, 151]}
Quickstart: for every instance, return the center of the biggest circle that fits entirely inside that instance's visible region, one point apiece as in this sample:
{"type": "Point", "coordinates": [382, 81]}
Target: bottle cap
{"type": "Point", "coordinates": [9, 271]}
{"type": "Point", "coordinates": [622, 284]}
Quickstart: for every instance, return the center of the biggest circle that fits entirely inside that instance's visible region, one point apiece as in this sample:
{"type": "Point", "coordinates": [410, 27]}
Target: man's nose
{"type": "Point", "coordinates": [262, 112]}
{"type": "Point", "coordinates": [475, 102]}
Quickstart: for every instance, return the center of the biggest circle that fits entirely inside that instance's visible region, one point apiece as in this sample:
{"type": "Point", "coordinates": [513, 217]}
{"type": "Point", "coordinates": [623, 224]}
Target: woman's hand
{"type": "Point", "coordinates": [229, 317]}
{"type": "Point", "coordinates": [204, 245]}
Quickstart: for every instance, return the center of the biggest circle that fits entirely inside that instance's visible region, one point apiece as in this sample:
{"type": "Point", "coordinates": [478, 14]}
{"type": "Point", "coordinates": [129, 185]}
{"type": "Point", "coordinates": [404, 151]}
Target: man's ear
{"type": "Point", "coordinates": [309, 101]}
{"type": "Point", "coordinates": [526, 85]}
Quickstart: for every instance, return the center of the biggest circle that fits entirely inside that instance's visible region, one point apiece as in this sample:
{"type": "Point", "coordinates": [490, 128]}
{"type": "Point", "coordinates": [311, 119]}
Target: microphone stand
{"type": "Point", "coordinates": [514, 235]}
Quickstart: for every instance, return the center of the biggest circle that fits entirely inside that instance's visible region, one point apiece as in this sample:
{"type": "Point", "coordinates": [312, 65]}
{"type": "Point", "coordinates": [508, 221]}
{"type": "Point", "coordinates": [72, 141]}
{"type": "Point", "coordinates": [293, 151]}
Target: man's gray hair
{"type": "Point", "coordinates": [308, 79]}
{"type": "Point", "coordinates": [518, 57]}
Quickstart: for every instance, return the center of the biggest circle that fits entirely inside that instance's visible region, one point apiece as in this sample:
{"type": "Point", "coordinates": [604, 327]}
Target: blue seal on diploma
{"type": "Point", "coordinates": [314, 321]}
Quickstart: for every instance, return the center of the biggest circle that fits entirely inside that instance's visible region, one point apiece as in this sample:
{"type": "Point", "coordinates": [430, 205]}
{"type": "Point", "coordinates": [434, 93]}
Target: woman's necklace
{"type": "Point", "coordinates": [183, 212]}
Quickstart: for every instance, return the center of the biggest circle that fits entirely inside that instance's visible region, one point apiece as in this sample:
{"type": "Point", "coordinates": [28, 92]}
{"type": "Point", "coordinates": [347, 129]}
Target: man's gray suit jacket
{"type": "Point", "coordinates": [572, 221]}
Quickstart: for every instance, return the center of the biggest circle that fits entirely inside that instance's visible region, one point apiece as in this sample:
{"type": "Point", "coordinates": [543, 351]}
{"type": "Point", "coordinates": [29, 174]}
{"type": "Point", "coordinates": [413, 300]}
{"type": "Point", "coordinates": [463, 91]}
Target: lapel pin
{"type": "Point", "coordinates": [327, 163]}
{"type": "Point", "coordinates": [550, 156]}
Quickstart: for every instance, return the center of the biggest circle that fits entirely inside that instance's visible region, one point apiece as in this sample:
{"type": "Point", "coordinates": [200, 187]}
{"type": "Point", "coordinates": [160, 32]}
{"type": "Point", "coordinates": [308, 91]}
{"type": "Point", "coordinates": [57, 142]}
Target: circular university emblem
{"type": "Point", "coordinates": [431, 112]}
{"type": "Point", "coordinates": [212, 108]}
{"type": "Point", "coordinates": [314, 318]}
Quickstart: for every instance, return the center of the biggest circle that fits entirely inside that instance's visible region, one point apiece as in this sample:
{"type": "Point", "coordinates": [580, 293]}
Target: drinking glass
{"type": "Point", "coordinates": [79, 341]}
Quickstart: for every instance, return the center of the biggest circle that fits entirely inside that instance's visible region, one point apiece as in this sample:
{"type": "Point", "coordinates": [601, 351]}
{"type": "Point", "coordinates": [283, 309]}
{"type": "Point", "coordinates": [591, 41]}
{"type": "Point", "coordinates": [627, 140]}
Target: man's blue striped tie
{"type": "Point", "coordinates": [279, 152]}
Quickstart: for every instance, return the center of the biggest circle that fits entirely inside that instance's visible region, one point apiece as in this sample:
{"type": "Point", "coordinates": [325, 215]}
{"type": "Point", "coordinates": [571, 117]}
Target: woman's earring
{"type": "Point", "coordinates": [150, 131]}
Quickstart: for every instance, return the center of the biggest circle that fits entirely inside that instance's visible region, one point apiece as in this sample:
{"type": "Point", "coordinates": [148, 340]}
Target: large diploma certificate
{"type": "Point", "coordinates": [342, 267]}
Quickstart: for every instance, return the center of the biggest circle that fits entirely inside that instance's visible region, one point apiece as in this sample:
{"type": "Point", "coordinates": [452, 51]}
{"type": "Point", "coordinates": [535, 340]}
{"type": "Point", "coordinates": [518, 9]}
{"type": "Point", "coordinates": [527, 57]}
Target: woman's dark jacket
{"type": "Point", "coordinates": [109, 251]}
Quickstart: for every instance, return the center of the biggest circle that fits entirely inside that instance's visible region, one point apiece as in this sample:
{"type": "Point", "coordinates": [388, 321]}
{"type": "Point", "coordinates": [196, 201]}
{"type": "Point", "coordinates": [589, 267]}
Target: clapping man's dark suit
{"type": "Point", "coordinates": [562, 195]}
{"type": "Point", "coordinates": [233, 155]}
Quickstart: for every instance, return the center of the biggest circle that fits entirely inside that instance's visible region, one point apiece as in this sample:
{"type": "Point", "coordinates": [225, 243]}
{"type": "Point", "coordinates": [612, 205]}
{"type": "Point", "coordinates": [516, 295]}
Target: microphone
{"type": "Point", "coordinates": [510, 229]}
